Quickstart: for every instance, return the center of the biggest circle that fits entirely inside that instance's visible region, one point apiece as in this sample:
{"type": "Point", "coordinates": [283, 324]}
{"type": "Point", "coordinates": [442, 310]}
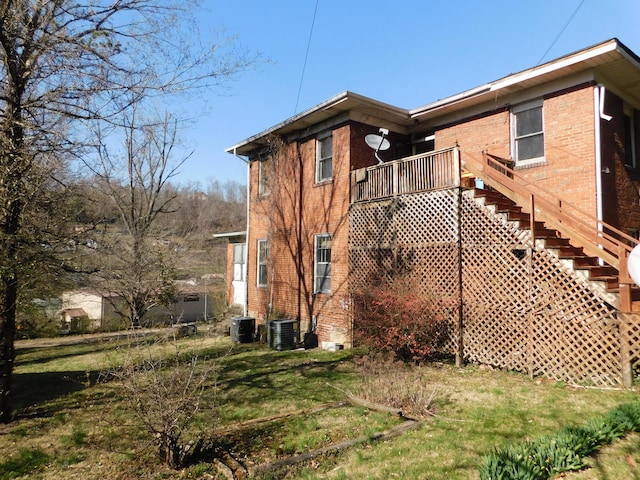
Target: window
{"type": "Point", "coordinates": [239, 250]}
{"type": "Point", "coordinates": [263, 257]}
{"type": "Point", "coordinates": [322, 263]}
{"type": "Point", "coordinates": [527, 133]}
{"type": "Point", "coordinates": [324, 152]}
{"type": "Point", "coordinates": [263, 177]}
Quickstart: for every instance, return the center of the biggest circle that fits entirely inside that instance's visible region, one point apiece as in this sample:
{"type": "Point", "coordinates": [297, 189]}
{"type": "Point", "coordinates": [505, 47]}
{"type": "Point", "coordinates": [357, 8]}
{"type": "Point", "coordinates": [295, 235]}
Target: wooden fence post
{"type": "Point", "coordinates": [625, 321]}
{"type": "Point", "coordinates": [460, 350]}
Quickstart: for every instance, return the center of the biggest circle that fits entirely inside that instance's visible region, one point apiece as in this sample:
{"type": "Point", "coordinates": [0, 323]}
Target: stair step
{"type": "Point", "coordinates": [491, 194]}
{"type": "Point", "coordinates": [584, 261]}
{"type": "Point", "coordinates": [570, 252]}
{"type": "Point", "coordinates": [613, 283]}
{"type": "Point", "coordinates": [504, 206]}
{"type": "Point", "coordinates": [605, 277]}
{"type": "Point", "coordinates": [551, 237]}
{"type": "Point", "coordinates": [522, 217]}
{"type": "Point", "coordinates": [635, 292]}
{"type": "Point", "coordinates": [600, 271]}
{"type": "Point", "coordinates": [555, 242]}
{"type": "Point", "coordinates": [526, 223]}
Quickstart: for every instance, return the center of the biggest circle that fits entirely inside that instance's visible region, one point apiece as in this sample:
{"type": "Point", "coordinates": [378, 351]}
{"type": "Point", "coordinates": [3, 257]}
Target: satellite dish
{"type": "Point", "coordinates": [633, 264]}
{"type": "Point", "coordinates": [378, 142]}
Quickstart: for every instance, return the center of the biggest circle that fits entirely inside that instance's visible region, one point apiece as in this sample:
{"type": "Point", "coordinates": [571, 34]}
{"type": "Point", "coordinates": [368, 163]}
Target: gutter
{"type": "Point", "coordinates": [599, 115]}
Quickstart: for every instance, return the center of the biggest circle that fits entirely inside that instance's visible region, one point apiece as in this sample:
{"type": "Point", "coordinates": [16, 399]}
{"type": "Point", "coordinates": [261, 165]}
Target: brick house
{"type": "Point", "coordinates": [566, 132]}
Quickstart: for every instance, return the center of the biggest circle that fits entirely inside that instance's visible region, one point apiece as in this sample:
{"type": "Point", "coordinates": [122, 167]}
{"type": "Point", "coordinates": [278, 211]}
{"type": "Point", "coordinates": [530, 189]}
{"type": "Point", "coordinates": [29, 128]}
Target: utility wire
{"type": "Point", "coordinates": [306, 56]}
{"type": "Point", "coordinates": [561, 32]}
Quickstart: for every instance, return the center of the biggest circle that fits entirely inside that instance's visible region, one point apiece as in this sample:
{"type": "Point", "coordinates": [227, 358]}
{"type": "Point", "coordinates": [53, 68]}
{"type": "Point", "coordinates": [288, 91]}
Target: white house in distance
{"type": "Point", "coordinates": [84, 303]}
{"type": "Point", "coordinates": [192, 305]}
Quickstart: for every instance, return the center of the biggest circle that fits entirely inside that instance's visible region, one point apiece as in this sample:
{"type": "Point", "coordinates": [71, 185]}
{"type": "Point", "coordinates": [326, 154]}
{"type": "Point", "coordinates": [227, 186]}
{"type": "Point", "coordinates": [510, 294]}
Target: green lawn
{"type": "Point", "coordinates": [73, 421]}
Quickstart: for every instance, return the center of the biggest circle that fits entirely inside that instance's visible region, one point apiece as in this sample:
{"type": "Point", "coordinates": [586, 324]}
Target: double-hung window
{"type": "Point", "coordinates": [324, 154]}
{"type": "Point", "coordinates": [263, 177]}
{"type": "Point", "coordinates": [527, 133]}
{"type": "Point", "coordinates": [322, 263]}
{"type": "Point", "coordinates": [263, 262]}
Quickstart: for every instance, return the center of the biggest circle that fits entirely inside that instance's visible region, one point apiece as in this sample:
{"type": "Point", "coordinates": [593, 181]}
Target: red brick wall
{"type": "Point", "coordinates": [364, 156]}
{"type": "Point", "coordinates": [258, 298]}
{"type": "Point", "coordinates": [620, 185]}
{"type": "Point", "coordinates": [324, 209]}
{"type": "Point", "coordinates": [569, 172]}
{"type": "Point", "coordinates": [570, 149]}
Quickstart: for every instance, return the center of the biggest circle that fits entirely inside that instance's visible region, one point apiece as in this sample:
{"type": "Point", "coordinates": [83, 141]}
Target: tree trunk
{"type": "Point", "coordinates": [7, 350]}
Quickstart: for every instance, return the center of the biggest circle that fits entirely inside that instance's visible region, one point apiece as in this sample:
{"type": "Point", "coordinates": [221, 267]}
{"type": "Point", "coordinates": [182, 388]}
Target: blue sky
{"type": "Point", "coordinates": [404, 52]}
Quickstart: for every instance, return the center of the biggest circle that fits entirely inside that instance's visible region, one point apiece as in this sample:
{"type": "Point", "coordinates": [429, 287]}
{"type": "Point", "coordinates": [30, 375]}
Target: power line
{"type": "Point", "coordinates": [561, 32]}
{"type": "Point", "coordinates": [306, 56]}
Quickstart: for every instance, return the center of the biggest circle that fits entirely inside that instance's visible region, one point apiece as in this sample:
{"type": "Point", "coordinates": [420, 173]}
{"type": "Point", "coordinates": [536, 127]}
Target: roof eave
{"type": "Point", "coordinates": [523, 80]}
{"type": "Point", "coordinates": [344, 102]}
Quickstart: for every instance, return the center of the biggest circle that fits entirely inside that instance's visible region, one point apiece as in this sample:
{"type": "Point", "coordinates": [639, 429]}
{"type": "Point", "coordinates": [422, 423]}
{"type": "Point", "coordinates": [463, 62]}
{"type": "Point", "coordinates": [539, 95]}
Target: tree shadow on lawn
{"type": "Point", "coordinates": [28, 354]}
{"type": "Point", "coordinates": [35, 394]}
{"type": "Point", "coordinates": [280, 376]}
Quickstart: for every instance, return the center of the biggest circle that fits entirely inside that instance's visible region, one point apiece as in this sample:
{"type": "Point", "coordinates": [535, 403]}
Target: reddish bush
{"type": "Point", "coordinates": [395, 318]}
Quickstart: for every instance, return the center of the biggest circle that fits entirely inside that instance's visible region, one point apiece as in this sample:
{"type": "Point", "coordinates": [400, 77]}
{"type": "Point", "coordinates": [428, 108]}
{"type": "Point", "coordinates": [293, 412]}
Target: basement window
{"type": "Point", "coordinates": [527, 134]}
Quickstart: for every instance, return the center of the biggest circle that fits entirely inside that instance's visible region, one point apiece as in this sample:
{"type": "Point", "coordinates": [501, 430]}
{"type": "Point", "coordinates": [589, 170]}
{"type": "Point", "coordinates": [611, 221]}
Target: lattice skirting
{"type": "Point", "coordinates": [521, 308]}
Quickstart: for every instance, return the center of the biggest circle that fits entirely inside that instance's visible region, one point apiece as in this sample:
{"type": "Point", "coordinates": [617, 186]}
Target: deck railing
{"type": "Point", "coordinates": [426, 171]}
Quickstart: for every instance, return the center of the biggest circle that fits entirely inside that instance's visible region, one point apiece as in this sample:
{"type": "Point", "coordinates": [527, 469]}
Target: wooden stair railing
{"type": "Point", "coordinates": [597, 238]}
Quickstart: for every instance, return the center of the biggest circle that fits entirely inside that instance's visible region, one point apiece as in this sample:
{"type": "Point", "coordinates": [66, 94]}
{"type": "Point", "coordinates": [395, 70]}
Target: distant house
{"type": "Point", "coordinates": [73, 320]}
{"type": "Point", "coordinates": [516, 201]}
{"type": "Point", "coordinates": [86, 305]}
{"type": "Point", "coordinates": [95, 311]}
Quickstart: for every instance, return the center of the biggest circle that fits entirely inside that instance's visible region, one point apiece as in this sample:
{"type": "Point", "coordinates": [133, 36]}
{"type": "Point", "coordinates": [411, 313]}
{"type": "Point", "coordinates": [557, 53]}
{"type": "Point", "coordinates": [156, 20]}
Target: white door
{"type": "Point", "coordinates": [239, 282]}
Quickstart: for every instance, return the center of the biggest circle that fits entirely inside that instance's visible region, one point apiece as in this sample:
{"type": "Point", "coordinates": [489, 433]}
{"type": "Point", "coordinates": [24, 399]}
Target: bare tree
{"type": "Point", "coordinates": [137, 267]}
{"type": "Point", "coordinates": [69, 61]}
{"type": "Point", "coordinates": [165, 391]}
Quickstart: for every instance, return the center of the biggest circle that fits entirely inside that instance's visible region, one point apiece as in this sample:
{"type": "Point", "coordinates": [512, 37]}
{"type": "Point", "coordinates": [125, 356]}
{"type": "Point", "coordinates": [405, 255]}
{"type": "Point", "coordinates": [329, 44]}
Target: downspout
{"type": "Point", "coordinates": [598, 100]}
{"type": "Point", "coordinates": [246, 246]}
{"type": "Point", "coordinates": [299, 240]}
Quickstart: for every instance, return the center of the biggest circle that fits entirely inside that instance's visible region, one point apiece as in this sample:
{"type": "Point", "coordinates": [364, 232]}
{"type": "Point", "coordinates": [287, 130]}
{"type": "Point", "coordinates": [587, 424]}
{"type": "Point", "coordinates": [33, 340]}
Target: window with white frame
{"type": "Point", "coordinates": [263, 261]}
{"type": "Point", "coordinates": [263, 177]}
{"type": "Point", "coordinates": [527, 133]}
{"type": "Point", "coordinates": [324, 154]}
{"type": "Point", "coordinates": [239, 250]}
{"type": "Point", "coordinates": [322, 263]}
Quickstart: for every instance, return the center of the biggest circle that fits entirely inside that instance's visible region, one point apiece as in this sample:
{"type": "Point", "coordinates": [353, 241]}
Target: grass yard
{"type": "Point", "coordinates": [74, 422]}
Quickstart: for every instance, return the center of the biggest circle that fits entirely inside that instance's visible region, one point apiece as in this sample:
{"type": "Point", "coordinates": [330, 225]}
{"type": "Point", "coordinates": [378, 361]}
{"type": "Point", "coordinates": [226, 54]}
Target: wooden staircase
{"type": "Point", "coordinates": [604, 279]}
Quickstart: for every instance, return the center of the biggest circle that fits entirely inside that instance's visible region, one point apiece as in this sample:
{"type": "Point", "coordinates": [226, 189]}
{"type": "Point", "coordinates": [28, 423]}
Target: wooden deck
{"type": "Point", "coordinates": [419, 173]}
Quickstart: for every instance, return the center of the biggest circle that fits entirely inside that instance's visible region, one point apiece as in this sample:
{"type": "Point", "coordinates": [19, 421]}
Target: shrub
{"type": "Point", "coordinates": [563, 451]}
{"type": "Point", "coordinates": [165, 392]}
{"type": "Point", "coordinates": [393, 383]}
{"type": "Point", "coordinates": [395, 317]}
